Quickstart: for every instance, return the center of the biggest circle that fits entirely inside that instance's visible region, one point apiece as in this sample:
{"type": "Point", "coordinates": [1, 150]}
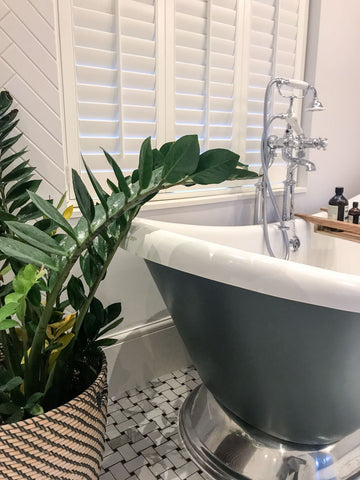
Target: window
{"type": "Point", "coordinates": [166, 68]}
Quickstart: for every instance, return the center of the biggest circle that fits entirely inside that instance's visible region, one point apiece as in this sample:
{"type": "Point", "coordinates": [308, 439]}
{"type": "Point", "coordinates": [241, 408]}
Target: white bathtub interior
{"type": "Point", "coordinates": [317, 250]}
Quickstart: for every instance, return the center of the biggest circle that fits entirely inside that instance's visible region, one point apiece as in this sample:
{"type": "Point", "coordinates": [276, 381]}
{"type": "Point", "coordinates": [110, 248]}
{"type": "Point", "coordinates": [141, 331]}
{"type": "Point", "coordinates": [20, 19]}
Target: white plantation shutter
{"type": "Point", "coordinates": [166, 68]}
{"type": "Point", "coordinates": [114, 44]}
{"type": "Point", "coordinates": [275, 51]}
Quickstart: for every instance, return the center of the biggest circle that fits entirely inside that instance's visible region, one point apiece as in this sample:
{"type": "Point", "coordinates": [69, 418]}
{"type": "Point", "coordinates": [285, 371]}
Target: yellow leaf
{"type": "Point", "coordinates": [23, 358]}
{"type": "Point", "coordinates": [68, 212]}
{"type": "Point", "coordinates": [54, 330]}
{"type": "Point", "coordinates": [64, 341]}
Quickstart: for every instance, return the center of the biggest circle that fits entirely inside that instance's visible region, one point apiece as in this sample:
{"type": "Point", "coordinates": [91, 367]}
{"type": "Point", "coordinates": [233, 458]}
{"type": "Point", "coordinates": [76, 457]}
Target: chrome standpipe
{"type": "Point", "coordinates": [293, 145]}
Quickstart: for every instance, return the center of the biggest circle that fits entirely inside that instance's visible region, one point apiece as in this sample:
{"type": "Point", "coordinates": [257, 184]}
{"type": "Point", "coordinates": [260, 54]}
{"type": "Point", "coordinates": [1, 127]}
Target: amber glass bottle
{"type": "Point", "coordinates": [354, 213]}
{"type": "Point", "coordinates": [338, 206]}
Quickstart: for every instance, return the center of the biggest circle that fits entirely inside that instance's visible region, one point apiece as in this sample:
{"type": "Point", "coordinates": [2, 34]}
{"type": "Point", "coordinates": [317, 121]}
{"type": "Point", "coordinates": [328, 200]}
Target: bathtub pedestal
{"type": "Point", "coordinates": [228, 449]}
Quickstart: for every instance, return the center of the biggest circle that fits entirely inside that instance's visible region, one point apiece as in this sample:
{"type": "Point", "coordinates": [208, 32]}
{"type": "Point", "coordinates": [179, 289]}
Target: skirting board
{"type": "Point", "coordinates": [144, 353]}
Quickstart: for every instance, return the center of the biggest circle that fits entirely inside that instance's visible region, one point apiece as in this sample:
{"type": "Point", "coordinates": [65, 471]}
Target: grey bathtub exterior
{"type": "Point", "coordinates": [288, 368]}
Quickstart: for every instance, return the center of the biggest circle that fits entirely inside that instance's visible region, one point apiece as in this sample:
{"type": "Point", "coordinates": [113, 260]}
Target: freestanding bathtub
{"type": "Point", "coordinates": [276, 342]}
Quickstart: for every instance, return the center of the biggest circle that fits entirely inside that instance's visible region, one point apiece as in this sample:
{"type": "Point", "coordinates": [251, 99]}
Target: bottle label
{"type": "Point", "coordinates": [350, 219]}
{"type": "Point", "coordinates": [333, 212]}
{"type": "Point", "coordinates": [346, 212]}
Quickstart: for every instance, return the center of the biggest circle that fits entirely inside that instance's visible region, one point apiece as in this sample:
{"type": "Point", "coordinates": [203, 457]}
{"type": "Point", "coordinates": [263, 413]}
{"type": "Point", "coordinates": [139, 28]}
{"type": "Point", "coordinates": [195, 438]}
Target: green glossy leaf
{"type": "Point", "coordinates": [19, 202]}
{"type": "Point", "coordinates": [36, 237]}
{"type": "Point", "coordinates": [17, 398]}
{"type": "Point", "coordinates": [82, 230]}
{"type": "Point", "coordinates": [100, 217]}
{"type": "Point", "coordinates": [16, 416]}
{"type": "Point", "coordinates": [7, 310]}
{"type": "Point", "coordinates": [26, 253]}
{"type": "Point", "coordinates": [112, 185]}
{"type": "Point", "coordinates": [90, 326]}
{"type": "Point", "coordinates": [21, 172]}
{"type": "Point", "coordinates": [6, 129]}
{"type": "Point", "coordinates": [145, 163]}
{"type": "Point", "coordinates": [4, 216]}
{"type": "Point", "coordinates": [9, 143]}
{"type": "Point", "coordinates": [164, 149]}
{"type": "Point", "coordinates": [13, 297]}
{"type": "Point", "coordinates": [90, 268]}
{"type": "Point", "coordinates": [215, 166]}
{"type": "Point", "coordinates": [115, 202]}
{"type": "Point", "coordinates": [83, 198]}
{"type": "Point", "coordinates": [34, 296]}
{"type": "Point", "coordinates": [6, 101]}
{"type": "Point", "coordinates": [110, 326]}
{"type": "Point", "coordinates": [102, 195]}
{"type": "Point", "coordinates": [46, 225]}
{"type": "Point", "coordinates": [35, 397]}
{"type": "Point", "coordinates": [158, 159]}
{"type": "Point", "coordinates": [11, 384]}
{"type": "Point", "coordinates": [8, 323]}
{"type": "Point", "coordinates": [241, 174]}
{"type": "Point", "coordinates": [8, 118]}
{"type": "Point", "coordinates": [113, 311]}
{"type": "Point", "coordinates": [100, 247]}
{"type": "Point", "coordinates": [123, 186]}
{"type": "Point", "coordinates": [11, 158]}
{"type": "Point", "coordinates": [182, 159]}
{"type": "Point", "coordinates": [17, 190]}
{"type": "Point", "coordinates": [51, 212]}
{"type": "Point", "coordinates": [7, 408]}
{"type": "Point", "coordinates": [106, 342]}
{"type": "Point", "coordinates": [36, 410]}
{"type": "Point", "coordinates": [76, 292]}
{"type": "Point", "coordinates": [28, 212]}
{"type": "Point", "coordinates": [135, 176]}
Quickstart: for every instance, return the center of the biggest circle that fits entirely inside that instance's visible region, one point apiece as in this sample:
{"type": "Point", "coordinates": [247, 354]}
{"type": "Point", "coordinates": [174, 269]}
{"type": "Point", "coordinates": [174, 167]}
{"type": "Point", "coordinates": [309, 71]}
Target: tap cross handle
{"type": "Point", "coordinates": [318, 143]}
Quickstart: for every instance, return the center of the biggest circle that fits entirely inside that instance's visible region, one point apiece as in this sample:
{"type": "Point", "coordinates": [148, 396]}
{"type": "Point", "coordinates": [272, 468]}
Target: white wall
{"type": "Point", "coordinates": [28, 68]}
{"type": "Point", "coordinates": [334, 68]}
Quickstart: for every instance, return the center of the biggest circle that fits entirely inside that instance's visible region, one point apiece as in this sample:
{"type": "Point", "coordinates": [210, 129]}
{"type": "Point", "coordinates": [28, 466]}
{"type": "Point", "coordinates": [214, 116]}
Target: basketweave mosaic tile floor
{"type": "Point", "coordinates": [142, 437]}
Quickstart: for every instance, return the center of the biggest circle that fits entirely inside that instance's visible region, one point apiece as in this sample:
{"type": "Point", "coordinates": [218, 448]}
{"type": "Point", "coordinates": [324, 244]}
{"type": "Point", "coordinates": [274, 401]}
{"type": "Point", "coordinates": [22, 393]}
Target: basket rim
{"type": "Point", "coordinates": [99, 380]}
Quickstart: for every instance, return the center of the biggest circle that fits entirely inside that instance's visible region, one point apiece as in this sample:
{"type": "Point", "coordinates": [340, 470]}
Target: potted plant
{"type": "Point", "coordinates": [53, 390]}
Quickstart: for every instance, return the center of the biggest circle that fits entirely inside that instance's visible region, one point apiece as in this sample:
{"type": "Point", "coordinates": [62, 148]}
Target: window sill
{"type": "Point", "coordinates": [155, 205]}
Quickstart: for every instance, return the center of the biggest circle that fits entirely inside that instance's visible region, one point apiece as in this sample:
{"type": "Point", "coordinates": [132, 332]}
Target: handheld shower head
{"type": "Point", "coordinates": [292, 120]}
{"type": "Point", "coordinates": [316, 105]}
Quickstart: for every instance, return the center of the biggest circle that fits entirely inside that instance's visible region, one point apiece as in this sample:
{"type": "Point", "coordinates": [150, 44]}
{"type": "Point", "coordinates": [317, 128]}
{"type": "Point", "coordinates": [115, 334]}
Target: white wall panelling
{"type": "Point", "coordinates": [29, 70]}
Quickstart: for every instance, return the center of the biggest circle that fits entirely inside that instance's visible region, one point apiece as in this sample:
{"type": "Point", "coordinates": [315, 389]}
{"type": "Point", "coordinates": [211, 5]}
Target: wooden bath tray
{"type": "Point", "coordinates": [349, 231]}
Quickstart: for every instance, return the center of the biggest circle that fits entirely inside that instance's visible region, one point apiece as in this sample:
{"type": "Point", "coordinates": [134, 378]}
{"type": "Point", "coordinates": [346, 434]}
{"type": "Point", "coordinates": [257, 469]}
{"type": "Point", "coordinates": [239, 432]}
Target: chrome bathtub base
{"type": "Point", "coordinates": [227, 449]}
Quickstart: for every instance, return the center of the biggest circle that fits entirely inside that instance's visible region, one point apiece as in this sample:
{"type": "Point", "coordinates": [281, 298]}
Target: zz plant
{"type": "Point", "coordinates": [51, 323]}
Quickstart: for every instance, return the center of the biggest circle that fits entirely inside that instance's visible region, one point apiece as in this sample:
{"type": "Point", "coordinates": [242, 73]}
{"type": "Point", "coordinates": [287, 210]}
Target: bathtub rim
{"type": "Point", "coordinates": [149, 239]}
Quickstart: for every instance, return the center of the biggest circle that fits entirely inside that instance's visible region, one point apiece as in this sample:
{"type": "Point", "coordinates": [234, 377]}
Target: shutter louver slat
{"type": "Point", "coordinates": [97, 76]}
{"type": "Point", "coordinates": [94, 20]}
{"type": "Point", "coordinates": [106, 5]}
{"type": "Point", "coordinates": [87, 37]}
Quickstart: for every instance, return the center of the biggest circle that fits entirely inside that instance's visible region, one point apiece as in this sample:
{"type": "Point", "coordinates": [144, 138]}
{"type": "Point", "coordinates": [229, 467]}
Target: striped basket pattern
{"type": "Point", "coordinates": [64, 443]}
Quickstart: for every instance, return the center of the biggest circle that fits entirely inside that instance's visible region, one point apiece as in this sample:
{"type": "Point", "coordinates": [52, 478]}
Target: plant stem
{"type": "Point", "coordinates": [32, 367]}
{"type": "Point", "coordinates": [5, 348]}
{"type": "Point", "coordinates": [95, 286]}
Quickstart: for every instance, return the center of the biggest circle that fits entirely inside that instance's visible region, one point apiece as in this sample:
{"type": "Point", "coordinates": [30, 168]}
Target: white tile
{"type": "Point", "coordinates": [143, 441]}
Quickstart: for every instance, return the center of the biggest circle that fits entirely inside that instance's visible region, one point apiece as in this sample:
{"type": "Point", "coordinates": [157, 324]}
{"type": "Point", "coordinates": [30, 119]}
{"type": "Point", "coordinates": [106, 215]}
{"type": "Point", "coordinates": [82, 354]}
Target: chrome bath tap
{"type": "Point", "coordinates": [293, 145]}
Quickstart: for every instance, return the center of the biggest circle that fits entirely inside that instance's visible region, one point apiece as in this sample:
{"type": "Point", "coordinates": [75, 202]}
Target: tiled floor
{"type": "Point", "coordinates": [142, 437]}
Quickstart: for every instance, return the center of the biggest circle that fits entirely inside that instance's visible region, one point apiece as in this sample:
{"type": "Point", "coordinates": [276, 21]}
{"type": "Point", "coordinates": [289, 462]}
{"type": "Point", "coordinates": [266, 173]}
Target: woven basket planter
{"type": "Point", "coordinates": [64, 443]}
